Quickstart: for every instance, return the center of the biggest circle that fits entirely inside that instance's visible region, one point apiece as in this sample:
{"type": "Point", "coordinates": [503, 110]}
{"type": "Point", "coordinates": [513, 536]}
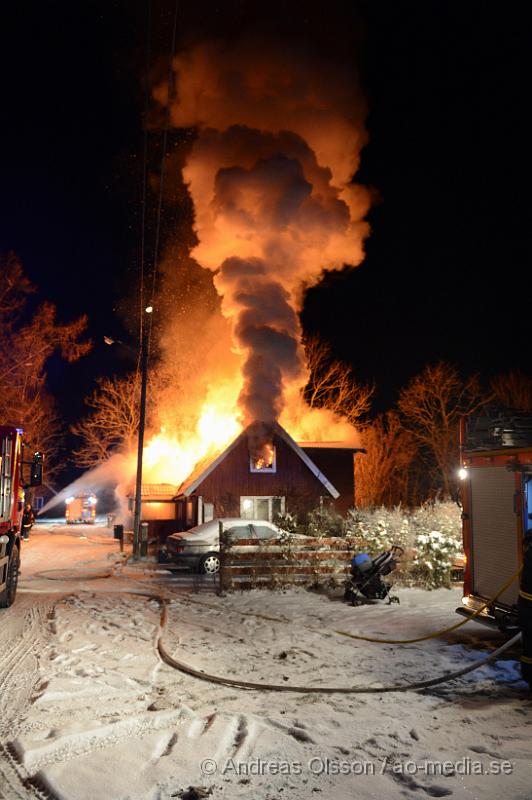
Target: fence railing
{"type": "Point", "coordinates": [246, 563]}
{"type": "Point", "coordinates": [309, 561]}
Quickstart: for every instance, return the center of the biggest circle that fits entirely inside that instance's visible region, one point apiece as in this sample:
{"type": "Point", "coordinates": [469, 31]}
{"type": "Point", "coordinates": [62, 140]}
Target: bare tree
{"type": "Point", "coordinates": [26, 345]}
{"type": "Point", "coordinates": [382, 474]}
{"type": "Point", "coordinates": [113, 424]}
{"type": "Point", "coordinates": [431, 406]}
{"type": "Point", "coordinates": [513, 389]}
{"type": "Point", "coordinates": [14, 288]}
{"type": "Point", "coordinates": [332, 384]}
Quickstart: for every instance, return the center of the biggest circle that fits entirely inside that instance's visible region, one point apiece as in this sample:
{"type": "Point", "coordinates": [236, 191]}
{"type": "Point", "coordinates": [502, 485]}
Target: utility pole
{"type": "Point", "coordinates": [140, 449]}
{"type": "Point", "coordinates": [144, 348]}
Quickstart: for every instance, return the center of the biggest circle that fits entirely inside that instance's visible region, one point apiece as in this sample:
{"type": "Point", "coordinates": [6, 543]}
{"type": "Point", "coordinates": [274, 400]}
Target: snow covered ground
{"type": "Point", "coordinates": [88, 711]}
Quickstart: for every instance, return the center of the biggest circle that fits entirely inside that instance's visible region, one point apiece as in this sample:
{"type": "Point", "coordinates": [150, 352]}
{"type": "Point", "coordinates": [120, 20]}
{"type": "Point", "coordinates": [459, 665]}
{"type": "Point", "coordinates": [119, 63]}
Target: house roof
{"type": "Point", "coordinates": [158, 491]}
{"type": "Point", "coordinates": [331, 446]}
{"type": "Point", "coordinates": [204, 468]}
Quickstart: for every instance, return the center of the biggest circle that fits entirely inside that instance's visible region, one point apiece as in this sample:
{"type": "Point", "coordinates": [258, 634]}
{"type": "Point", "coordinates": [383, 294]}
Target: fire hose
{"type": "Point", "coordinates": [435, 634]}
{"type": "Point", "coordinates": [271, 687]}
{"type": "Point", "coordinates": [416, 686]}
{"type": "Point", "coordinates": [524, 610]}
{"type": "Point", "coordinates": [420, 685]}
{"type": "Point", "coordinates": [249, 685]}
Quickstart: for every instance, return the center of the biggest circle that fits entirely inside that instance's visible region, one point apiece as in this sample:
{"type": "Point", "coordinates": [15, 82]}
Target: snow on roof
{"type": "Point", "coordinates": [204, 468]}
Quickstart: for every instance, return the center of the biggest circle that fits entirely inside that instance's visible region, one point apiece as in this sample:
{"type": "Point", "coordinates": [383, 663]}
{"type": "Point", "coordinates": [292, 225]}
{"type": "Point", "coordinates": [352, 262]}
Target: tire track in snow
{"type": "Point", "coordinates": [16, 687]}
{"type": "Point", "coordinates": [17, 783]}
{"type": "Point", "coordinates": [23, 636]}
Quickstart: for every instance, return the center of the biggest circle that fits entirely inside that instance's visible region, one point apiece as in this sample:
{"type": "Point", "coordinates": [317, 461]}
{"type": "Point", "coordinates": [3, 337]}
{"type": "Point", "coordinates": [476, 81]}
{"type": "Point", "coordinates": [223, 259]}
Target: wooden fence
{"type": "Point", "coordinates": [250, 563]}
{"type": "Point", "coordinates": [247, 563]}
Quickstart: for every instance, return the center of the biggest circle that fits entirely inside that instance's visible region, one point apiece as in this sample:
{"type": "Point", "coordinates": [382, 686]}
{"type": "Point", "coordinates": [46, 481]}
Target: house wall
{"type": "Point", "coordinates": [232, 479]}
{"type": "Point", "coordinates": [339, 467]}
{"type": "Point", "coordinates": [161, 516]}
{"type": "Point", "coordinates": [38, 496]}
{"type": "Point", "coordinates": [158, 509]}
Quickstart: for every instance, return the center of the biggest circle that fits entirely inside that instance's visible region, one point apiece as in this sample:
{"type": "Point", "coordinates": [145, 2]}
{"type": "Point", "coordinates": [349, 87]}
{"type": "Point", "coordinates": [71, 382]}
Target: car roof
{"type": "Point", "coordinates": [229, 522]}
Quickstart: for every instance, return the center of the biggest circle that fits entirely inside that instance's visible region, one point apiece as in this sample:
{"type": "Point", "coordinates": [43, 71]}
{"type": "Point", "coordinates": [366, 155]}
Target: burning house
{"type": "Point", "coordinates": [269, 171]}
{"type": "Point", "coordinates": [158, 509]}
{"type": "Point", "coordinates": [271, 182]}
{"type": "Point", "coordinates": [261, 473]}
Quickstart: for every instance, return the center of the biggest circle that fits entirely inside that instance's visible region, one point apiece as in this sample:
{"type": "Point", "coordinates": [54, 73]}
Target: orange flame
{"type": "Point", "coordinates": [273, 207]}
{"type": "Point", "coordinates": [171, 457]}
{"type": "Point", "coordinates": [265, 461]}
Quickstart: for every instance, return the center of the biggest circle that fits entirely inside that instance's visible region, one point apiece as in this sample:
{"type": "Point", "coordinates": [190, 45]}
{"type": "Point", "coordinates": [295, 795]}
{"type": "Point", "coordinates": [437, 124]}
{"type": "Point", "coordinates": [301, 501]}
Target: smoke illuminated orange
{"type": "Point", "coordinates": [171, 458]}
{"type": "Point", "coordinates": [270, 174]}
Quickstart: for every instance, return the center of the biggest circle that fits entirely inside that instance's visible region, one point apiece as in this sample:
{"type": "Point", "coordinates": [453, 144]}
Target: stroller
{"type": "Point", "coordinates": [365, 582]}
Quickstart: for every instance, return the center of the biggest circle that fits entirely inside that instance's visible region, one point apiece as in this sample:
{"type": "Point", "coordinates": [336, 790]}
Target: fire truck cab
{"type": "Point", "coordinates": [15, 475]}
{"type": "Point", "coordinates": [496, 460]}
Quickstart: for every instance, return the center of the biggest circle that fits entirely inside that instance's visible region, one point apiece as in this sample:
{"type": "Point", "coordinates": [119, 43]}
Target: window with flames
{"type": "Point", "coordinates": [265, 462]}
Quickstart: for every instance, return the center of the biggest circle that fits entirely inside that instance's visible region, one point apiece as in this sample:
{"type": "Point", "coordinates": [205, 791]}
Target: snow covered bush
{"type": "Point", "coordinates": [379, 529]}
{"type": "Point", "coordinates": [431, 537]}
{"type": "Point", "coordinates": [437, 543]}
{"type": "Point", "coordinates": [287, 522]}
{"type": "Point", "coordinates": [324, 521]}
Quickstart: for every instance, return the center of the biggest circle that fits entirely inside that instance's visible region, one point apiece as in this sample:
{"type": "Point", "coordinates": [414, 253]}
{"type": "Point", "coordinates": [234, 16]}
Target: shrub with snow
{"type": "Point", "coordinates": [287, 522]}
{"type": "Point", "coordinates": [380, 528]}
{"type": "Point", "coordinates": [431, 537]}
{"type": "Point", "coordinates": [438, 541]}
{"type": "Point", "coordinates": [324, 521]}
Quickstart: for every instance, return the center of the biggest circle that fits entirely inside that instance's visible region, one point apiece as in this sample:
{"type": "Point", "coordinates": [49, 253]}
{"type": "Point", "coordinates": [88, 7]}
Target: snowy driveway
{"type": "Point", "coordinates": [89, 712]}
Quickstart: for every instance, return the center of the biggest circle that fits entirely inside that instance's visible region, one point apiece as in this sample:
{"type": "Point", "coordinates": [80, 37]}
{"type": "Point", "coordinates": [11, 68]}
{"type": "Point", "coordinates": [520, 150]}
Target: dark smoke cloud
{"type": "Point", "coordinates": [279, 138]}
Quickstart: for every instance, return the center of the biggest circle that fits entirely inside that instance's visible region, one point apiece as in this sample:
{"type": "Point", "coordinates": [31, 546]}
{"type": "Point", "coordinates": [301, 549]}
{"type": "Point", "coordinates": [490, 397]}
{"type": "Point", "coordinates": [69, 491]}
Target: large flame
{"type": "Point", "coordinates": [279, 134]}
{"type": "Point", "coordinates": [171, 457]}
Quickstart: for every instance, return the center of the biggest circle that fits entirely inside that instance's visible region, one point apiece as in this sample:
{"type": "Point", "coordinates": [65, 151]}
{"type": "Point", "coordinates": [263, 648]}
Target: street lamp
{"type": "Point", "coordinates": [142, 424]}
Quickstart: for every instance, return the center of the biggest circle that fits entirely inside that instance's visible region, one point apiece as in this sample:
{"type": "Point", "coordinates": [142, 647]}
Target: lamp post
{"type": "Point", "coordinates": [142, 425]}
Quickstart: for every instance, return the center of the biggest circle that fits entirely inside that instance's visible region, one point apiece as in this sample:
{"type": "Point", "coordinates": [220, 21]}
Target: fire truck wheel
{"type": "Point", "coordinates": [7, 597]}
{"type": "Point", "coordinates": [209, 564]}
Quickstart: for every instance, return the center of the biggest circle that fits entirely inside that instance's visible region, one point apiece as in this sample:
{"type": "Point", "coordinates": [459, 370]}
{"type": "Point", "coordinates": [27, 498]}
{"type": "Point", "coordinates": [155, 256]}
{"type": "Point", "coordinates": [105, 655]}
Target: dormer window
{"type": "Point", "coordinates": [265, 461]}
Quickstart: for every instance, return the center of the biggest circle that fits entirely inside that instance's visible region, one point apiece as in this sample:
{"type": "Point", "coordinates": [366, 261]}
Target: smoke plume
{"type": "Point", "coordinates": [279, 134]}
{"type": "Point", "coordinates": [116, 473]}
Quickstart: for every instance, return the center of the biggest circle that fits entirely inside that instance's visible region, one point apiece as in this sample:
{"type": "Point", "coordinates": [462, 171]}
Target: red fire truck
{"type": "Point", "coordinates": [15, 474]}
{"type": "Point", "coordinates": [81, 508]}
{"type": "Point", "coordinates": [496, 461]}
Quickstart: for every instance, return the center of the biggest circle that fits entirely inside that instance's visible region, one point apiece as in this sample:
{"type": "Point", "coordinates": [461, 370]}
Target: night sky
{"type": "Point", "coordinates": [447, 87]}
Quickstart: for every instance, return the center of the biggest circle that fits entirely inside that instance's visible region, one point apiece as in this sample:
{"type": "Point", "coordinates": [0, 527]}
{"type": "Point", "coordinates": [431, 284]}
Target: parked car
{"type": "Point", "coordinates": [199, 547]}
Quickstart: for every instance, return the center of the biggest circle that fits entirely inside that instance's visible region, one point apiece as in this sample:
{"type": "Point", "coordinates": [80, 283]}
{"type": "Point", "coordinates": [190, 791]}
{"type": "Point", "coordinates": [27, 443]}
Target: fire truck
{"type": "Point", "coordinates": [496, 472]}
{"type": "Point", "coordinates": [81, 508]}
{"type": "Point", "coordinates": [16, 474]}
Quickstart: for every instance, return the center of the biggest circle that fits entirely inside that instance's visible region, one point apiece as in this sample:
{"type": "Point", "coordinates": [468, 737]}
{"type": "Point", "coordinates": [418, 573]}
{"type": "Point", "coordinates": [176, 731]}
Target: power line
{"type": "Point", "coordinates": [144, 175]}
{"type": "Point", "coordinates": [163, 164]}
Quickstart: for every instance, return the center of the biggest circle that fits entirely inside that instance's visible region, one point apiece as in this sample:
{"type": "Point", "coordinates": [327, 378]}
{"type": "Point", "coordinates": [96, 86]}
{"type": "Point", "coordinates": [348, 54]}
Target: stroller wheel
{"type": "Point", "coordinates": [392, 598]}
{"type": "Point", "coordinates": [352, 597]}
{"type": "Point", "coordinates": [349, 595]}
